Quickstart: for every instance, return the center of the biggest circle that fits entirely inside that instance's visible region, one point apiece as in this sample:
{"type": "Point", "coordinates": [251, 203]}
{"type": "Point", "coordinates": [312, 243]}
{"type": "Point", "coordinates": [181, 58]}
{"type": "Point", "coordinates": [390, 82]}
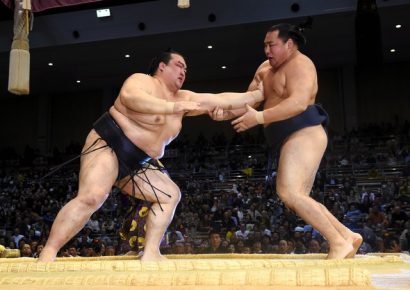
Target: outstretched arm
{"type": "Point", "coordinates": [227, 101]}
{"type": "Point", "coordinates": [260, 73]}
{"type": "Point", "coordinates": [136, 95]}
{"type": "Point", "coordinates": [220, 114]}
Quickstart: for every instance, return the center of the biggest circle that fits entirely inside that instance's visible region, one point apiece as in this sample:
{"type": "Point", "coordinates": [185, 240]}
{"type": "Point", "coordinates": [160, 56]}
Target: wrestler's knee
{"type": "Point", "coordinates": [175, 194]}
{"type": "Point", "coordinates": [322, 206]}
{"type": "Point", "coordinates": [288, 198]}
{"type": "Point", "coordinates": [91, 201]}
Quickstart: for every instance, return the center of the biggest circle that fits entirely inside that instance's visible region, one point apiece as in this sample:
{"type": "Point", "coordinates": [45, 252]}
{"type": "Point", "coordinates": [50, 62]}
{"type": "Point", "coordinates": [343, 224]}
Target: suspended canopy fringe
{"type": "Point", "coordinates": [19, 69]}
{"type": "Point", "coordinates": [41, 5]}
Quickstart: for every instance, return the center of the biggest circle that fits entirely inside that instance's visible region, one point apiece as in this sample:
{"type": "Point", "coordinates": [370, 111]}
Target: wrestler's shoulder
{"type": "Point", "coordinates": [264, 65]}
{"type": "Point", "coordinates": [300, 63]}
{"type": "Point", "coordinates": [140, 76]}
{"type": "Point", "coordinates": [303, 59]}
{"type": "Point", "coordinates": [140, 80]}
{"type": "Point", "coordinates": [185, 94]}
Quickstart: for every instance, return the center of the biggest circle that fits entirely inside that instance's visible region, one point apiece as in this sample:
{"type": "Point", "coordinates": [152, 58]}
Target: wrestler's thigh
{"type": "Point", "coordinates": [161, 182]}
{"type": "Point", "coordinates": [98, 169]}
{"type": "Point", "coordinates": [299, 160]}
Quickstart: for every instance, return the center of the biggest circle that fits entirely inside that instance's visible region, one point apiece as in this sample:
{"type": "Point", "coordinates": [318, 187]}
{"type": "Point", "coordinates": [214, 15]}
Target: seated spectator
{"type": "Point", "coordinates": [17, 236]}
{"type": "Point", "coordinates": [266, 244]}
{"type": "Point", "coordinates": [377, 218]}
{"type": "Point", "coordinates": [231, 249]}
{"type": "Point", "coordinates": [25, 251]}
{"type": "Point", "coordinates": [72, 251]}
{"type": "Point", "coordinates": [110, 251]}
{"type": "Point", "coordinates": [283, 247]}
{"type": "Point", "coordinates": [256, 247]}
{"type": "Point", "coordinates": [398, 218]}
{"type": "Point", "coordinates": [353, 217]}
{"type": "Point", "coordinates": [108, 226]}
{"type": "Point", "coordinates": [174, 237]}
{"type": "Point", "coordinates": [178, 249]}
{"type": "Point", "coordinates": [246, 250]}
{"type": "Point", "coordinates": [214, 244]}
{"type": "Point", "coordinates": [298, 232]}
{"type": "Point", "coordinates": [33, 245]}
{"type": "Point", "coordinates": [242, 233]}
{"type": "Point", "coordinates": [93, 223]}
{"type": "Point", "coordinates": [39, 248]}
{"type": "Point", "coordinates": [240, 244]}
{"type": "Point", "coordinates": [231, 232]}
{"type": "Point", "coordinates": [393, 245]}
{"type": "Point", "coordinates": [405, 237]}
{"type": "Point", "coordinates": [324, 247]}
{"type": "Point", "coordinates": [314, 247]}
{"type": "Point", "coordinates": [299, 246]}
{"type": "Point", "coordinates": [189, 248]}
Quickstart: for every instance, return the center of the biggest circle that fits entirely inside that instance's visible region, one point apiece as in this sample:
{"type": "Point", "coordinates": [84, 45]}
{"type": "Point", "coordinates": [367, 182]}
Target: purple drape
{"type": "Point", "coordinates": [41, 5]}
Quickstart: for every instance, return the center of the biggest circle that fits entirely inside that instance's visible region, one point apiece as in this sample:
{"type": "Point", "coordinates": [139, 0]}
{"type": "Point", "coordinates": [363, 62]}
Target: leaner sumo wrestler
{"type": "Point", "coordinates": [295, 128]}
{"type": "Point", "coordinates": [125, 144]}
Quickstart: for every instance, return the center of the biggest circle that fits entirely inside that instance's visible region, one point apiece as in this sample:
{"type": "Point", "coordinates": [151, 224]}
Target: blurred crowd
{"type": "Point", "coordinates": [229, 203]}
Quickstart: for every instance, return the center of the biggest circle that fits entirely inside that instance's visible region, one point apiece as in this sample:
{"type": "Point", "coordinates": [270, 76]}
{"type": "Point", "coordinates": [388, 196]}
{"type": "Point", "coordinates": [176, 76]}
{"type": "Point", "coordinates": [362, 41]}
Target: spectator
{"type": "Point", "coordinates": [25, 251]}
{"type": "Point", "coordinates": [17, 236]}
{"type": "Point", "coordinates": [110, 251]}
{"type": "Point", "coordinates": [283, 247]}
{"type": "Point", "coordinates": [377, 218]}
{"type": "Point", "coordinates": [39, 248]}
{"type": "Point", "coordinates": [242, 233]}
{"type": "Point", "coordinates": [72, 251]}
{"type": "Point", "coordinates": [314, 247]}
{"type": "Point", "coordinates": [398, 218]}
{"type": "Point", "coordinates": [405, 237]}
{"type": "Point", "coordinates": [214, 243]}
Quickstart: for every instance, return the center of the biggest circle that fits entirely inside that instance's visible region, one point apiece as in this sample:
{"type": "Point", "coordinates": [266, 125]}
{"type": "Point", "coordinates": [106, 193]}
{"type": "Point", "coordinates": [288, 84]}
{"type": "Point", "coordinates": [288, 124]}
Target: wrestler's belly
{"type": "Point", "coordinates": [150, 140]}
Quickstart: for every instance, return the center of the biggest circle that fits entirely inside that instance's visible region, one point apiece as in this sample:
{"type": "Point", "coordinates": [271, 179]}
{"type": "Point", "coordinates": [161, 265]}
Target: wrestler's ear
{"type": "Point", "coordinates": [290, 43]}
{"type": "Point", "coordinates": [161, 66]}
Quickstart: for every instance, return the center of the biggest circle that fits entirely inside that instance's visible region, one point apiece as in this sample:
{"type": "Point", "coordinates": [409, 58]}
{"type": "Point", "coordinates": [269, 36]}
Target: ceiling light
{"type": "Point", "coordinates": [223, 67]}
{"type": "Point", "coordinates": [103, 13]}
{"type": "Point", "coordinates": [127, 56]}
{"type": "Point", "coordinates": [78, 81]}
{"type": "Point", "coordinates": [210, 46]}
{"type": "Point", "coordinates": [398, 26]}
{"type": "Point", "coordinates": [392, 50]}
{"type": "Point", "coordinates": [50, 64]}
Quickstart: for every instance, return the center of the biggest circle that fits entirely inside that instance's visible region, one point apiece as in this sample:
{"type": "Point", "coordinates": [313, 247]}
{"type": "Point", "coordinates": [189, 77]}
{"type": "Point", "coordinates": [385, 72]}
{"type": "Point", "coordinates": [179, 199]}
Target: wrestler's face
{"type": "Point", "coordinates": [276, 50]}
{"type": "Point", "coordinates": [176, 69]}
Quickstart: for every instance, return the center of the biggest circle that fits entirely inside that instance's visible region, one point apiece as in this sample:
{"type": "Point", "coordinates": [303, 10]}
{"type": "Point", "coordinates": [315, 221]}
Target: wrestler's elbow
{"type": "Point", "coordinates": [125, 96]}
{"type": "Point", "coordinates": [298, 105]}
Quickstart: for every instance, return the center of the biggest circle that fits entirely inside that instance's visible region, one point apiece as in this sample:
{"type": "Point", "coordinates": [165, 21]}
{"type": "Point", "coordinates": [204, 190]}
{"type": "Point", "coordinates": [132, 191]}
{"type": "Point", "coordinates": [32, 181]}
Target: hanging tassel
{"type": "Point", "coordinates": [183, 4]}
{"type": "Point", "coordinates": [19, 69]}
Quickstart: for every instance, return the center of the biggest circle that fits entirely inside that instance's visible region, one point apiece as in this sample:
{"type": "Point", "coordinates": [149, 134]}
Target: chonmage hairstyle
{"type": "Point", "coordinates": [164, 57]}
{"type": "Point", "coordinates": [289, 31]}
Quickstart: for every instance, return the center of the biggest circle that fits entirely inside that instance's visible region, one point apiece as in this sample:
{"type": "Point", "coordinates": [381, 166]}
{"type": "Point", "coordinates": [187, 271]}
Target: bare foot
{"type": "Point", "coordinates": [46, 256]}
{"type": "Point", "coordinates": [43, 259]}
{"type": "Point", "coordinates": [131, 253]}
{"type": "Point", "coordinates": [356, 240]}
{"type": "Point", "coordinates": [340, 251]}
{"type": "Point", "coordinates": [152, 258]}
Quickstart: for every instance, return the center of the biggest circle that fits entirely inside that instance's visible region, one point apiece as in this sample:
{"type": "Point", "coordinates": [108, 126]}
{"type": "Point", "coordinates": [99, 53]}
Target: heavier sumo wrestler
{"type": "Point", "coordinates": [125, 144]}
